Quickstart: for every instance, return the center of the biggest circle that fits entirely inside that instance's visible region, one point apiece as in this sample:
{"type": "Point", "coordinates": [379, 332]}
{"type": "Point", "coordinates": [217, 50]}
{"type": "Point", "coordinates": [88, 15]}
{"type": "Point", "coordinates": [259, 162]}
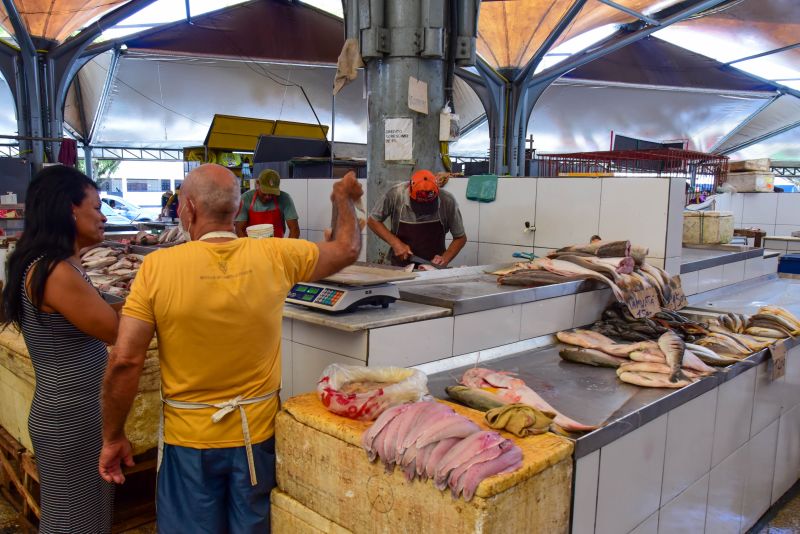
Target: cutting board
{"type": "Point", "coordinates": [363, 275]}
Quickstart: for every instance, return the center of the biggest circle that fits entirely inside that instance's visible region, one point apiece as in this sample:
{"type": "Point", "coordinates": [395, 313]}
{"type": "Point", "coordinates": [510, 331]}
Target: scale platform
{"type": "Point", "coordinates": [354, 286]}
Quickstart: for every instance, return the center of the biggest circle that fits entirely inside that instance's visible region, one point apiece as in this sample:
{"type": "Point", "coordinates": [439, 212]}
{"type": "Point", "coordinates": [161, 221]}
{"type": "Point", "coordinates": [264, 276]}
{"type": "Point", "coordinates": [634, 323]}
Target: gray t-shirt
{"type": "Point", "coordinates": [397, 204]}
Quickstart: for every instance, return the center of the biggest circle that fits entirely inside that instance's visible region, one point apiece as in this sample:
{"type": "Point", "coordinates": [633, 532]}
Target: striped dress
{"type": "Point", "coordinates": [65, 422]}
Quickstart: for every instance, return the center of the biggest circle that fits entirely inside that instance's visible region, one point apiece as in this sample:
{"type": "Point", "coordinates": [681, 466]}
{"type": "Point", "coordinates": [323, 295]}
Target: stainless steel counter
{"type": "Point", "coordinates": [470, 289]}
{"type": "Point", "coordinates": [697, 257]}
{"type": "Point", "coordinates": [594, 395]}
{"type": "Point", "coordinates": [747, 297]}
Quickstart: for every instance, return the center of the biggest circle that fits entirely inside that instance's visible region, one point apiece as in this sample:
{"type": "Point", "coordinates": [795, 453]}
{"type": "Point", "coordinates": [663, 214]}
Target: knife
{"type": "Point", "coordinates": [422, 261]}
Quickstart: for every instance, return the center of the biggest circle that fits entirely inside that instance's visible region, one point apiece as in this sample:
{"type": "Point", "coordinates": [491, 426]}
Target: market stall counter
{"type": "Point", "coordinates": [327, 484]}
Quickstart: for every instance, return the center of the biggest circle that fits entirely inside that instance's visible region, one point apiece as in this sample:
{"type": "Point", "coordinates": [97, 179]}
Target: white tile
{"type": "Point", "coordinates": [768, 398]}
{"type": "Point", "coordinates": [542, 252]}
{"type": "Point", "coordinates": [760, 471]}
{"type": "Point", "coordinates": [732, 273]}
{"type": "Point", "coordinates": [319, 203]}
{"type": "Point", "coordinates": [286, 369]}
{"type": "Point", "coordinates": [547, 316]}
{"type": "Point", "coordinates": [687, 460]}
{"type": "Point", "coordinates": [710, 279]}
{"type": "Point", "coordinates": [737, 203]}
{"type": "Point", "coordinates": [788, 209]}
{"type": "Point", "coordinates": [316, 236]}
{"type": "Point", "coordinates": [410, 344]}
{"type": "Point", "coordinates": [687, 511]}
{"type": "Point", "coordinates": [690, 282]}
{"type": "Point", "coordinates": [648, 526]}
{"type": "Point", "coordinates": [725, 494]}
{"type": "Point", "coordinates": [352, 344]}
{"type": "Point", "coordinates": [636, 210]}
{"type": "Point", "coordinates": [468, 255]}
{"type": "Point", "coordinates": [734, 410]}
{"type": "Point", "coordinates": [486, 329]}
{"type": "Point", "coordinates": [787, 459]}
{"type": "Point", "coordinates": [362, 256]}
{"type": "Point", "coordinates": [470, 209]}
{"type": "Point", "coordinates": [298, 190]}
{"type": "Point", "coordinates": [493, 253]}
{"type": "Point", "coordinates": [308, 364]}
{"type": "Point", "coordinates": [677, 201]}
{"type": "Point", "coordinates": [673, 265]}
{"type": "Point", "coordinates": [286, 328]}
{"type": "Point", "coordinates": [629, 488]}
{"type": "Point", "coordinates": [771, 265]}
{"type": "Point", "coordinates": [787, 229]}
{"type": "Point", "coordinates": [723, 202]}
{"type": "Point", "coordinates": [760, 208]}
{"type": "Point", "coordinates": [567, 211]}
{"type": "Point", "coordinates": [590, 305]}
{"type": "Point", "coordinates": [790, 389]}
{"type": "Point", "coordinates": [754, 267]}
{"type": "Point", "coordinates": [503, 221]}
{"type": "Point", "coordinates": [584, 504]}
{"type": "Point", "coordinates": [657, 262]}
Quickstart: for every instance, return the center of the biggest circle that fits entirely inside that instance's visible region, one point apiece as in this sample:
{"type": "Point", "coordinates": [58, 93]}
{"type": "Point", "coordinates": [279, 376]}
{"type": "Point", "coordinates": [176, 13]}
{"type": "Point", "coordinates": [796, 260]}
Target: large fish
{"type": "Point", "coordinates": [673, 348]}
{"type": "Point", "coordinates": [515, 390]}
{"type": "Point", "coordinates": [475, 398]}
{"type": "Point", "coordinates": [532, 278]}
{"type": "Point", "coordinates": [653, 380]}
{"type": "Point", "coordinates": [591, 357]}
{"type": "Point", "coordinates": [709, 356]}
{"type": "Point", "coordinates": [595, 340]}
{"type": "Point", "coordinates": [781, 312]}
{"type": "Point", "coordinates": [566, 268]}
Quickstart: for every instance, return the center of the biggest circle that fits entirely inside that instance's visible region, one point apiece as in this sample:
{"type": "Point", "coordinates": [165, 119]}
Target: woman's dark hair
{"type": "Point", "coordinates": [49, 233]}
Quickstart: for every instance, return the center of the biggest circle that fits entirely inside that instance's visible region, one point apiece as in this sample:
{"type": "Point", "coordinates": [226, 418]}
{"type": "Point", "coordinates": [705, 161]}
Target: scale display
{"type": "Point", "coordinates": [336, 298]}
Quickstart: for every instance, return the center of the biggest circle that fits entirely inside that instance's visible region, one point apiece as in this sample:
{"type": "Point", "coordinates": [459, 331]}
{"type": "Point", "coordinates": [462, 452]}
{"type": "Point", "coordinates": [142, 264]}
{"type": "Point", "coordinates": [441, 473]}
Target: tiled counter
{"type": "Point", "coordinates": [706, 269]}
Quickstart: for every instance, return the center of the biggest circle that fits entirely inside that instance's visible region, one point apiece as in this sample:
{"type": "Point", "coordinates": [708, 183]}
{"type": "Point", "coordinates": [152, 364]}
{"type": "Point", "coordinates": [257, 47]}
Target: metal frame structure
{"type": "Point", "coordinates": [137, 154]}
{"type": "Point", "coordinates": [509, 97]}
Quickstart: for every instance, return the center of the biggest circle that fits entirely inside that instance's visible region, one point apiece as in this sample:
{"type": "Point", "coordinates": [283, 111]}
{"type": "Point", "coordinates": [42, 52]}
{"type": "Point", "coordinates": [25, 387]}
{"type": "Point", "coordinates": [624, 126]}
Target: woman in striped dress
{"type": "Point", "coordinates": [66, 325]}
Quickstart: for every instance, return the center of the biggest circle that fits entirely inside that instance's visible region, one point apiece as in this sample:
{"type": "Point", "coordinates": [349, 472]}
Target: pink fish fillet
{"type": "Point", "coordinates": [372, 432]}
{"type": "Point", "coordinates": [506, 463]}
{"type": "Point", "coordinates": [515, 390]}
{"type": "Point", "coordinates": [464, 451]}
{"type": "Point", "coordinates": [475, 377]}
{"type": "Point", "coordinates": [437, 453]}
{"type": "Point", "coordinates": [427, 415]}
{"type": "Point", "coordinates": [407, 422]}
{"type": "Point", "coordinates": [454, 426]}
{"type": "Point", "coordinates": [422, 457]}
{"type": "Point", "coordinates": [456, 479]}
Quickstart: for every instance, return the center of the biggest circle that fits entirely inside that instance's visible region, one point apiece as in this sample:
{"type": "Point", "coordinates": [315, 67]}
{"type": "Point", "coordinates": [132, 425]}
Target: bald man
{"type": "Point", "coordinates": [216, 304]}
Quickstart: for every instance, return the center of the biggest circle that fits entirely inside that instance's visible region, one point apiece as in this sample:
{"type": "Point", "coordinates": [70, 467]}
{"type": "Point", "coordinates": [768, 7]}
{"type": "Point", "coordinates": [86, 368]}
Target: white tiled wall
{"type": "Point", "coordinates": [759, 475]}
{"type": "Point", "coordinates": [308, 364]}
{"type": "Point", "coordinates": [767, 400]}
{"type": "Point", "coordinates": [726, 493]}
{"type": "Point", "coordinates": [710, 278]}
{"type": "Point", "coordinates": [677, 201]}
{"type": "Point", "coordinates": [689, 282]}
{"type": "Point", "coordinates": [503, 221]}
{"type": "Point", "coordinates": [485, 329]}
{"type": "Point", "coordinates": [584, 504]}
{"type": "Point", "coordinates": [410, 344]}
{"type": "Point", "coordinates": [547, 316]}
{"type": "Point", "coordinates": [787, 459]}
{"type": "Point", "coordinates": [732, 273]}
{"type": "Point", "coordinates": [589, 306]}
{"type": "Point", "coordinates": [687, 511]}
{"type": "Point", "coordinates": [564, 211]}
{"type": "Point", "coordinates": [636, 210]}
{"type": "Point", "coordinates": [788, 211]}
{"type": "Point", "coordinates": [687, 460]}
{"type": "Point", "coordinates": [567, 211]}
{"type": "Point", "coordinates": [352, 344]}
{"type": "Point", "coordinates": [629, 486]}
{"type": "Point", "coordinates": [732, 426]}
{"type": "Point", "coordinates": [775, 213]}
{"type": "Point", "coordinates": [759, 208]}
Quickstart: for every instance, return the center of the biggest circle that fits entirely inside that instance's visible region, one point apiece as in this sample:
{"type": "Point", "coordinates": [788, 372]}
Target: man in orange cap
{"type": "Point", "coordinates": [421, 216]}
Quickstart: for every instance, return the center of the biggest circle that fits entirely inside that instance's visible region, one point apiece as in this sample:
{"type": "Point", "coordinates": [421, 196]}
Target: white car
{"type": "Point", "coordinates": [113, 217]}
{"type": "Point", "coordinates": [128, 209]}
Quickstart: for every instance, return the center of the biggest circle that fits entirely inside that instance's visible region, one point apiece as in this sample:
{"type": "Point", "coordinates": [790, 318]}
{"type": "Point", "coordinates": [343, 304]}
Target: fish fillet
{"type": "Point", "coordinates": [653, 380]}
{"type": "Point", "coordinates": [467, 449]}
{"type": "Point", "coordinates": [505, 463]}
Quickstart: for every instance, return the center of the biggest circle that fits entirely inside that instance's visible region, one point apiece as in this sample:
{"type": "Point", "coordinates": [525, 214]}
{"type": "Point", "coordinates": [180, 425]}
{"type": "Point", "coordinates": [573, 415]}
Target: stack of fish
{"type": "Point", "coordinates": [773, 322]}
{"type": "Point", "coordinates": [665, 363]}
{"type": "Point", "coordinates": [429, 440]}
{"type": "Point", "coordinates": [618, 323]}
{"type": "Point", "coordinates": [616, 264]}
{"type": "Point", "coordinates": [171, 236]}
{"type": "Point", "coordinates": [111, 269]}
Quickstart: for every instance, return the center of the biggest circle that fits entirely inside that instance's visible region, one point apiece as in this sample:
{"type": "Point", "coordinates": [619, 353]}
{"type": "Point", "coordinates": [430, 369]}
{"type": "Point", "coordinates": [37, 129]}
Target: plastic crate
{"type": "Point", "coordinates": [789, 264]}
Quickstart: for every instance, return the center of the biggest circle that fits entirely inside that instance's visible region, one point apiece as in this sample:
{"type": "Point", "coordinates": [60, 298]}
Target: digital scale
{"type": "Point", "coordinates": [339, 298]}
{"type": "Point", "coordinates": [353, 286]}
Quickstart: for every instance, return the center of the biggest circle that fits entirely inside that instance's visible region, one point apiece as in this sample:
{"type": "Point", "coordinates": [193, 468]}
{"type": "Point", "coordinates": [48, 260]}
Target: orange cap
{"type": "Point", "coordinates": [423, 186]}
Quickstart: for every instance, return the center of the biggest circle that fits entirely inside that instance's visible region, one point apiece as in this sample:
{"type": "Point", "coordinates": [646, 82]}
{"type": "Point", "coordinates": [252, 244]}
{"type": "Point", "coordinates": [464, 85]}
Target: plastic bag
{"type": "Point", "coordinates": [408, 385]}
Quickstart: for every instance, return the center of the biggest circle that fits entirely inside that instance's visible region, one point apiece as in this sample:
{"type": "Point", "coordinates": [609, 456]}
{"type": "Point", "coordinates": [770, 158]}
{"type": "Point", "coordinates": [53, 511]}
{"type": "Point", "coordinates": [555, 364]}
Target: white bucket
{"type": "Point", "coordinates": [260, 230]}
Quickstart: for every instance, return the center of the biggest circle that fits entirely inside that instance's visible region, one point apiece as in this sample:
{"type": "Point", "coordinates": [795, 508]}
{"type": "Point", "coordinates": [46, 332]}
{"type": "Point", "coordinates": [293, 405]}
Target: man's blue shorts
{"type": "Point", "coordinates": [208, 490]}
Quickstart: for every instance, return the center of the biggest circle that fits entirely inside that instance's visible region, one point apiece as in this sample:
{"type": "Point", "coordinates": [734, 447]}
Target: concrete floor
{"type": "Point", "coordinates": [9, 524]}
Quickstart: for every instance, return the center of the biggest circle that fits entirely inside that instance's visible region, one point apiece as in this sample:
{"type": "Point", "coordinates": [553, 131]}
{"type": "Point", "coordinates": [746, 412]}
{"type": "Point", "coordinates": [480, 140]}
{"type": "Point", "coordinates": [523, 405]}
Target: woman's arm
{"type": "Point", "coordinates": [69, 294]}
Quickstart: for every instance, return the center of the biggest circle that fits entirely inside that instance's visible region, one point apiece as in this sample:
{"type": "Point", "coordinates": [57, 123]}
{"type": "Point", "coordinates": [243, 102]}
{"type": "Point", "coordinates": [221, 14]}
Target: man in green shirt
{"type": "Point", "coordinates": [267, 204]}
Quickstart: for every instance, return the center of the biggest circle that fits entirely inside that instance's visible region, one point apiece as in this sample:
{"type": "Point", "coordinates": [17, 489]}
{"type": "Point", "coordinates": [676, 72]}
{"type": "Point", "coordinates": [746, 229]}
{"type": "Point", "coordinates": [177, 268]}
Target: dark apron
{"type": "Point", "coordinates": [426, 239]}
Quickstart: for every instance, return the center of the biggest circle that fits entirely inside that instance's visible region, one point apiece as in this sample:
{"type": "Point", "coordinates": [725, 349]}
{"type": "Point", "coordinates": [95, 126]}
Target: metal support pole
{"type": "Point", "coordinates": [87, 160]}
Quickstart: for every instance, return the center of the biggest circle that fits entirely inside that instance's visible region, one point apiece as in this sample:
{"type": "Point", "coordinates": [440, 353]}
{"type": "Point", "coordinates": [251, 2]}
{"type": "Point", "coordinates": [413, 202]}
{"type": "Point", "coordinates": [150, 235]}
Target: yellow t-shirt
{"type": "Point", "coordinates": [217, 310]}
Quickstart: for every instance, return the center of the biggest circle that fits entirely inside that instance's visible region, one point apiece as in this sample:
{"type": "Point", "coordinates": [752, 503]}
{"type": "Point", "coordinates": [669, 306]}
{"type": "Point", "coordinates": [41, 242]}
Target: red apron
{"type": "Point", "coordinates": [273, 216]}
